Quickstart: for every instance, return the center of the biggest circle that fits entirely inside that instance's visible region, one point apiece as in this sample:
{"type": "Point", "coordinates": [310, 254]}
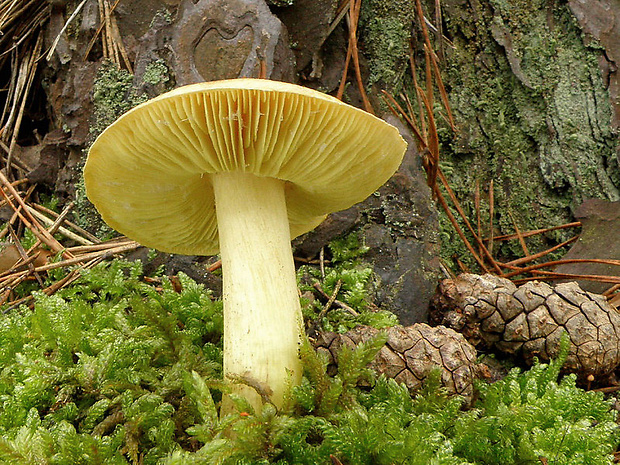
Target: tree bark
{"type": "Point", "coordinates": [533, 112]}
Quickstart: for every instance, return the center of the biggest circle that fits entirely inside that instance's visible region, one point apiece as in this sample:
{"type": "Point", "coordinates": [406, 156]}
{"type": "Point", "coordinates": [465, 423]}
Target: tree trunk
{"type": "Point", "coordinates": [533, 110]}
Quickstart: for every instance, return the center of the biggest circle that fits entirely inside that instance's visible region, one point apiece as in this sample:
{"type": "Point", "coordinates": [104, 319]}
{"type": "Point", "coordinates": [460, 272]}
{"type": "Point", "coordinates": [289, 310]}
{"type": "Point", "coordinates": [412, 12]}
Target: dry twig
{"type": "Point", "coordinates": [334, 301]}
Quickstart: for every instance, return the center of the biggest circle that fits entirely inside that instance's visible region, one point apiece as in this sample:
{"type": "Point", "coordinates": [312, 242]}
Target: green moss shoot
{"type": "Point", "coordinates": [347, 269]}
{"type": "Point", "coordinates": [114, 371]}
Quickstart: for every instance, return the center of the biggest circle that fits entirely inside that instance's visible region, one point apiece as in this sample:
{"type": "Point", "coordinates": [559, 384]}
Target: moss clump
{"type": "Point", "coordinates": [348, 271]}
{"type": "Point", "coordinates": [529, 417]}
{"type": "Point", "coordinates": [386, 30]}
{"type": "Point", "coordinates": [95, 373]}
{"type": "Point", "coordinates": [156, 72]}
{"type": "Point", "coordinates": [114, 371]}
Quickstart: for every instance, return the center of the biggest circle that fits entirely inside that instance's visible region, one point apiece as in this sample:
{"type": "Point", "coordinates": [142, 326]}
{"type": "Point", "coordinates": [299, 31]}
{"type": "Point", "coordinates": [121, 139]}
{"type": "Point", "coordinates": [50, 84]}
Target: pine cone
{"type": "Point", "coordinates": [411, 352]}
{"type": "Point", "coordinates": [529, 320]}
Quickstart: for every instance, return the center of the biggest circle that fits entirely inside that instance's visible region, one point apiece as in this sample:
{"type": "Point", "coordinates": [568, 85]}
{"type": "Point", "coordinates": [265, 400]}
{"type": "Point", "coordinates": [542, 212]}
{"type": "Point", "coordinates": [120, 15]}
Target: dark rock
{"type": "Point", "coordinates": [224, 39]}
{"type": "Point", "coordinates": [401, 228]}
{"type": "Point", "coordinates": [69, 81]}
{"type": "Point", "coordinates": [135, 17]}
{"type": "Point", "coordinates": [70, 172]}
{"type": "Point", "coordinates": [154, 58]}
{"type": "Point", "coordinates": [600, 221]}
{"type": "Point", "coordinates": [335, 225]}
{"type": "Point", "coordinates": [332, 59]}
{"type": "Point", "coordinates": [47, 158]}
{"type": "Point", "coordinates": [308, 23]}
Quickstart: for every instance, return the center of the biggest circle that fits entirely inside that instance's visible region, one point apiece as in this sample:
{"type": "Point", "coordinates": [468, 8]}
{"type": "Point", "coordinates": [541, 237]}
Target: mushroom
{"type": "Point", "coordinates": [241, 167]}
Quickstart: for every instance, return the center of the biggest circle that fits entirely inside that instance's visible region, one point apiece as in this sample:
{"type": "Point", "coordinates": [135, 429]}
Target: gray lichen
{"type": "Point", "coordinates": [112, 96]}
{"type": "Point", "coordinates": [156, 72]}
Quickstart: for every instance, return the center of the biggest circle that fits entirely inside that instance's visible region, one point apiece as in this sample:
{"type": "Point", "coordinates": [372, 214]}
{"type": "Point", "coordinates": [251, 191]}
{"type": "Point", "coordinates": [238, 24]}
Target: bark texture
{"type": "Point", "coordinates": [533, 110]}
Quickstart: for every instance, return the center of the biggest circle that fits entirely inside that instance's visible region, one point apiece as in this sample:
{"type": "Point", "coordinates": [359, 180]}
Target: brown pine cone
{"type": "Point", "coordinates": [411, 352]}
{"type": "Point", "coordinates": [529, 320]}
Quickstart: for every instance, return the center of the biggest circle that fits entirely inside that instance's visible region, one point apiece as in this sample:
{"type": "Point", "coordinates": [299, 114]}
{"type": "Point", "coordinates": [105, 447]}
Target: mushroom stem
{"type": "Point", "coordinates": [262, 313]}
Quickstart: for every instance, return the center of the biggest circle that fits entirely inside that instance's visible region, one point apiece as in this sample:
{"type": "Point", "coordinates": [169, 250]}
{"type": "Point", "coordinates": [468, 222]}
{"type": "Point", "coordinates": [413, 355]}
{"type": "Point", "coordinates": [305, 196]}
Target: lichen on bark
{"type": "Point", "coordinates": [386, 27]}
{"type": "Point", "coordinates": [532, 112]}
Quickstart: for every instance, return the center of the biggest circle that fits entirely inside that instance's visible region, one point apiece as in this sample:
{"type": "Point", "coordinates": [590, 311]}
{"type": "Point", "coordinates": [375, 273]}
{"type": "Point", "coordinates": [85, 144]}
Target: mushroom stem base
{"type": "Point", "coordinates": [262, 313]}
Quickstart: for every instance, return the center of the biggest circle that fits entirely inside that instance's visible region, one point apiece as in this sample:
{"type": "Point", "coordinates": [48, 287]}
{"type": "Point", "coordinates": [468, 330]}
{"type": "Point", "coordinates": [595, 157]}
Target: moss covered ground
{"type": "Point", "coordinates": [113, 370]}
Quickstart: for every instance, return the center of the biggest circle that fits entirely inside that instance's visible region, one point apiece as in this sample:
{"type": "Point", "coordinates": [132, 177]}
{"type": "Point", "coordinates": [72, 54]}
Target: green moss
{"type": "Point", "coordinates": [533, 116]}
{"type": "Point", "coordinates": [95, 373]}
{"type": "Point", "coordinates": [386, 30]}
{"type": "Point", "coordinates": [156, 72]}
{"type": "Point", "coordinates": [348, 270]}
{"type": "Point", "coordinates": [113, 371]}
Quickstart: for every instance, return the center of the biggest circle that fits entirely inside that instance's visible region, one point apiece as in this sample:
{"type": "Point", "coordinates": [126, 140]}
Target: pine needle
{"type": "Point", "coordinates": [50, 53]}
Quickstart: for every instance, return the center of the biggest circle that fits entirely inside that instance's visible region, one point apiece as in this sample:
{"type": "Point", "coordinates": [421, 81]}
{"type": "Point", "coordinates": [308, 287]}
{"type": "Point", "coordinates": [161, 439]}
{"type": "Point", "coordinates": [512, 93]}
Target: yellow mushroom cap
{"type": "Point", "coordinates": [148, 174]}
